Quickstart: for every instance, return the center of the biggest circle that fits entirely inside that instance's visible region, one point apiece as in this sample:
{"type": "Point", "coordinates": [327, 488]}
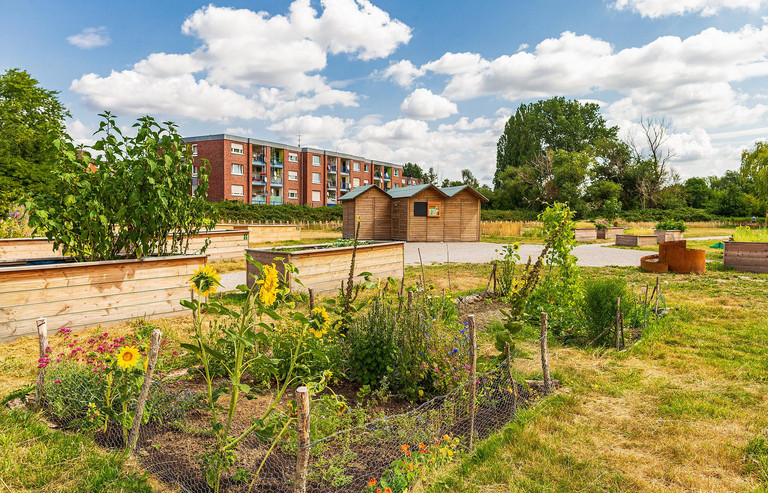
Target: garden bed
{"type": "Point", "coordinates": [609, 233]}
{"type": "Point", "coordinates": [323, 269]}
{"type": "Point", "coordinates": [746, 256]}
{"type": "Point", "coordinates": [636, 240]}
{"type": "Point", "coordinates": [266, 233]}
{"type": "Point", "coordinates": [585, 234]}
{"type": "Point", "coordinates": [669, 235]}
{"type": "Point", "coordinates": [24, 248]}
{"type": "Point", "coordinates": [80, 294]}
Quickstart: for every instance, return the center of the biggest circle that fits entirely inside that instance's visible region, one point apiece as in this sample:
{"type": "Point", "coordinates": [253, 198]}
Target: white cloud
{"type": "Point", "coordinates": [313, 129]}
{"type": "Point", "coordinates": [403, 73]}
{"type": "Point", "coordinates": [424, 105]}
{"type": "Point", "coordinates": [90, 37]}
{"type": "Point", "coordinates": [662, 8]}
{"type": "Point", "coordinates": [81, 133]}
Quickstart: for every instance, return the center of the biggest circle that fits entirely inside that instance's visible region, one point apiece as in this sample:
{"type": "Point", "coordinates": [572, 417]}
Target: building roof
{"type": "Point", "coordinates": [413, 190]}
{"type": "Point", "coordinates": [352, 194]}
{"type": "Point", "coordinates": [451, 191]}
{"type": "Point", "coordinates": [403, 192]}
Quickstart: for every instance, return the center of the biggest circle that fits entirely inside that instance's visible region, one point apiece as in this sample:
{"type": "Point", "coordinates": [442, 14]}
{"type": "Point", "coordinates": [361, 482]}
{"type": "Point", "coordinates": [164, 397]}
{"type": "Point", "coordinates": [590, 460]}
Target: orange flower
{"type": "Point", "coordinates": [410, 467]}
{"type": "Point", "coordinates": [387, 490]}
{"type": "Point", "coordinates": [407, 452]}
{"type": "Point", "coordinates": [404, 448]}
{"type": "Point", "coordinates": [372, 482]}
{"type": "Point", "coordinates": [422, 446]}
{"type": "Point", "coordinates": [378, 490]}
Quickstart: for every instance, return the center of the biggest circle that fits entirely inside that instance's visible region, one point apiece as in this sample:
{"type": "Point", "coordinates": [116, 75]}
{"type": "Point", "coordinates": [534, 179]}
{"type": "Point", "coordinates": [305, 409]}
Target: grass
{"type": "Point", "coordinates": [746, 233]}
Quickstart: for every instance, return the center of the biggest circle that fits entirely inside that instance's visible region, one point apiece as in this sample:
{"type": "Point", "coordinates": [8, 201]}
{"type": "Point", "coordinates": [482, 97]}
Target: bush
{"type": "Point", "coordinates": [599, 307]}
{"type": "Point", "coordinates": [286, 213]}
{"type": "Point", "coordinates": [687, 214]}
{"type": "Point", "coordinates": [69, 389]}
{"type": "Point", "coordinates": [670, 225]}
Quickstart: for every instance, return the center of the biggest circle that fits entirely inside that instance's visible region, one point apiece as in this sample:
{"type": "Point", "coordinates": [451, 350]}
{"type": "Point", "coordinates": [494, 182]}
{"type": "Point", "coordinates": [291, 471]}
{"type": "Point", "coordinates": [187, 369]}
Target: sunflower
{"type": "Point", "coordinates": [205, 280]}
{"type": "Point", "coordinates": [128, 357]}
{"type": "Point", "coordinates": [269, 283]}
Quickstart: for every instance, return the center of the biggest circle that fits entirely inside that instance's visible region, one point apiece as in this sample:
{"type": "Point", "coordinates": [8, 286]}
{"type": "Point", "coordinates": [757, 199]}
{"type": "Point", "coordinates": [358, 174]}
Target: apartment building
{"type": "Point", "coordinates": [264, 172]}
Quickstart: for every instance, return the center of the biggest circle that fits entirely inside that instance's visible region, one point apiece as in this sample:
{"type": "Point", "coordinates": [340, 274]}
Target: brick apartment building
{"type": "Point", "coordinates": [263, 172]}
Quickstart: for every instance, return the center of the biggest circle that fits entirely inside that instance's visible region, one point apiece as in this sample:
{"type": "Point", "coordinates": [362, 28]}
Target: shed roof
{"type": "Point", "coordinates": [451, 191]}
{"type": "Point", "coordinates": [357, 191]}
{"type": "Point", "coordinates": [403, 192]}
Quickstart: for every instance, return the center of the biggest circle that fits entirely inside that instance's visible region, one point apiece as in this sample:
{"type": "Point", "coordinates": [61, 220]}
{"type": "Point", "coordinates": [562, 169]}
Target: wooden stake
{"type": "Point", "coordinates": [545, 354]}
{"type": "Point", "coordinates": [302, 432]}
{"type": "Point", "coordinates": [493, 274]}
{"type": "Point", "coordinates": [42, 335]}
{"type": "Point", "coordinates": [311, 299]}
{"type": "Point", "coordinates": [512, 382]}
{"type": "Point", "coordinates": [154, 348]}
{"type": "Point", "coordinates": [618, 323]}
{"type": "Point", "coordinates": [448, 267]}
{"type": "Point", "coordinates": [410, 299]}
{"type": "Point", "coordinates": [621, 320]}
{"type": "Point", "coordinates": [400, 297]}
{"type": "Point", "coordinates": [472, 377]}
{"type": "Point", "coordinates": [423, 275]}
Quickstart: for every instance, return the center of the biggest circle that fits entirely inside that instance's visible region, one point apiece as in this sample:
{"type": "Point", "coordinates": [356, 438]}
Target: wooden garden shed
{"type": "Point", "coordinates": [416, 213]}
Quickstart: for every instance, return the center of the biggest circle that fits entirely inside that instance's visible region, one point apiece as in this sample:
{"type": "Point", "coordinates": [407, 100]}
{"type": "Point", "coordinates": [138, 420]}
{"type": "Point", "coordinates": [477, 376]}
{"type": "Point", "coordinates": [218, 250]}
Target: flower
{"type": "Point", "coordinates": [128, 357]}
{"type": "Point", "coordinates": [205, 280]}
{"type": "Point", "coordinates": [387, 490]}
{"type": "Point", "coordinates": [269, 283]}
{"type": "Point", "coordinates": [57, 381]}
{"type": "Point", "coordinates": [372, 482]}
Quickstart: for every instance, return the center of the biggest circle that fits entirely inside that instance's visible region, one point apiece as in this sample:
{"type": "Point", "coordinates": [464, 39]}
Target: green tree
{"type": "Point", "coordinates": [31, 119]}
{"type": "Point", "coordinates": [132, 197]}
{"type": "Point", "coordinates": [697, 192]}
{"type": "Point", "coordinates": [754, 167]}
{"type": "Point", "coordinates": [412, 170]}
{"type": "Point", "coordinates": [430, 176]}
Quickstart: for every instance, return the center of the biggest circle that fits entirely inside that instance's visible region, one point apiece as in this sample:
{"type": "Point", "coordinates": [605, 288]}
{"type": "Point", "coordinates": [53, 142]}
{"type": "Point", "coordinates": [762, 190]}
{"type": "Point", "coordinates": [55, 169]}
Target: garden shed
{"type": "Point", "coordinates": [416, 213]}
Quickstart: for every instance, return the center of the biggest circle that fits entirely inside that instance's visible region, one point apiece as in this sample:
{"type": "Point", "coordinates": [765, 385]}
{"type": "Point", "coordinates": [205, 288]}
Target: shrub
{"type": "Point", "coordinates": [69, 389]}
{"type": "Point", "coordinates": [372, 347]}
{"type": "Point", "coordinates": [599, 307]}
{"type": "Point", "coordinates": [286, 213]}
{"type": "Point", "coordinates": [670, 224]}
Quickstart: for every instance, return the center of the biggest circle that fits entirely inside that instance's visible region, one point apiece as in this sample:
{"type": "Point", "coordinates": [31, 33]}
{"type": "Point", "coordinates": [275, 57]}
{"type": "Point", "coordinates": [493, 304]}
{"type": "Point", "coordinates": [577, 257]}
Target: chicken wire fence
{"type": "Point", "coordinates": [175, 431]}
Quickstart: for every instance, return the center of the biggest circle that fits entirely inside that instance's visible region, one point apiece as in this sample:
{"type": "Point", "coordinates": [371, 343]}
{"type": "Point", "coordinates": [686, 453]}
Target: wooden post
{"type": "Point", "coordinates": [42, 335]}
{"type": "Point", "coordinates": [493, 274]}
{"type": "Point", "coordinates": [400, 297]}
{"type": "Point", "coordinates": [154, 348]}
{"type": "Point", "coordinates": [448, 267]}
{"type": "Point", "coordinates": [512, 383]}
{"type": "Point", "coordinates": [621, 317]}
{"type": "Point", "coordinates": [472, 377]}
{"type": "Point", "coordinates": [618, 323]}
{"type": "Point", "coordinates": [410, 299]}
{"type": "Point", "coordinates": [545, 354]}
{"type": "Point", "coordinates": [302, 433]}
{"type": "Point", "coordinates": [311, 299]}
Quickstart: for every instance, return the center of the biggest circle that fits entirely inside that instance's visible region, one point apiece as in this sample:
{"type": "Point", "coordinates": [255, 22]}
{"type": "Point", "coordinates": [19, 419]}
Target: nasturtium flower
{"type": "Point", "coordinates": [372, 482]}
{"type": "Point", "coordinates": [128, 357]}
{"type": "Point", "coordinates": [269, 283]}
{"type": "Point", "coordinates": [205, 280]}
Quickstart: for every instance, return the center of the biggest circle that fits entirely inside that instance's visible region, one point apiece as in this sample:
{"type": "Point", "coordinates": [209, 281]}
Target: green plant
{"type": "Point", "coordinates": [15, 225]}
{"type": "Point", "coordinates": [506, 270]}
{"type": "Point", "coordinates": [599, 307]}
{"type": "Point", "coordinates": [670, 224]}
{"type": "Point", "coordinates": [757, 456]}
{"type": "Point", "coordinates": [745, 233]}
{"type": "Point", "coordinates": [130, 197]}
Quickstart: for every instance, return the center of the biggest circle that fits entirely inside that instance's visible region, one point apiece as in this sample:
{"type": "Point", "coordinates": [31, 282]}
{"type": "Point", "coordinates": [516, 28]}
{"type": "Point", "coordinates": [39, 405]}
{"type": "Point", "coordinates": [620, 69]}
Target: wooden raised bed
{"type": "Point", "coordinates": [669, 235]}
{"type": "Point", "coordinates": [636, 240]}
{"type": "Point", "coordinates": [323, 269]}
{"type": "Point", "coordinates": [609, 233]}
{"type": "Point", "coordinates": [80, 294]}
{"type": "Point", "coordinates": [266, 233]}
{"type": "Point", "coordinates": [746, 256]}
{"type": "Point", "coordinates": [585, 234]}
{"type": "Point", "coordinates": [14, 248]}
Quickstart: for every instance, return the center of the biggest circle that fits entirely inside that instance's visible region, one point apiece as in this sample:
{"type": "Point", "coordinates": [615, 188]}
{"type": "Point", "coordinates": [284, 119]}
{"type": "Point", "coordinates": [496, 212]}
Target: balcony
{"type": "Point", "coordinates": [377, 175]}
{"type": "Point", "coordinates": [275, 200]}
{"type": "Point", "coordinates": [260, 179]}
{"type": "Point", "coordinates": [344, 170]}
{"type": "Point", "coordinates": [332, 168]}
{"type": "Point", "coordinates": [387, 177]}
{"type": "Point", "coordinates": [277, 164]}
{"type": "Point", "coordinates": [330, 201]}
{"type": "Point", "coordinates": [258, 161]}
{"type": "Point", "coordinates": [259, 199]}
{"type": "Point", "coordinates": [344, 186]}
{"type": "Point", "coordinates": [331, 184]}
{"type": "Point", "coordinates": [276, 181]}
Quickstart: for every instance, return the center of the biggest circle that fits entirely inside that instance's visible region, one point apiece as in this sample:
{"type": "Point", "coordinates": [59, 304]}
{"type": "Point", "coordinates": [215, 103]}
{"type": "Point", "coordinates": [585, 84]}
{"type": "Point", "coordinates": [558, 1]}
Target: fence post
{"type": "Point", "coordinates": [618, 327]}
{"type": "Point", "coordinates": [472, 378]}
{"type": "Point", "coordinates": [311, 299]}
{"type": "Point", "coordinates": [512, 382]}
{"type": "Point", "coordinates": [154, 348]}
{"type": "Point", "coordinates": [42, 335]}
{"type": "Point", "coordinates": [493, 274]}
{"type": "Point", "coordinates": [545, 354]}
{"type": "Point", "coordinates": [400, 297]}
{"type": "Point", "coordinates": [302, 433]}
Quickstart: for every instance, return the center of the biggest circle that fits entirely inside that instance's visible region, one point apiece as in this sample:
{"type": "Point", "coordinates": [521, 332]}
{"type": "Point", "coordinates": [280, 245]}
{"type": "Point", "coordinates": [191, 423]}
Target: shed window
{"type": "Point", "coordinates": [419, 209]}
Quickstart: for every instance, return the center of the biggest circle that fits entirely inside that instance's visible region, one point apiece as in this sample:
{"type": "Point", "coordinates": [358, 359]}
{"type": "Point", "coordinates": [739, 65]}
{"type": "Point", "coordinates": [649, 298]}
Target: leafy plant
{"type": "Point", "coordinates": [15, 225]}
{"type": "Point", "coordinates": [670, 224]}
{"type": "Point", "coordinates": [599, 307]}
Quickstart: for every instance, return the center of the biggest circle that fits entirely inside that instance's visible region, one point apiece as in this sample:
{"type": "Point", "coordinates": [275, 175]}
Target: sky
{"type": "Point", "coordinates": [426, 81]}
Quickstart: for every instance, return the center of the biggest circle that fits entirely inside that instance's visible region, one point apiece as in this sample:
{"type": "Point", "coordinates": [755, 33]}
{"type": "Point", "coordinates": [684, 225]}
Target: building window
{"type": "Point", "coordinates": [316, 178]}
{"type": "Point", "coordinates": [237, 169]}
{"type": "Point", "coordinates": [293, 194]}
{"type": "Point", "coordinates": [365, 182]}
{"type": "Point", "coordinates": [356, 166]}
{"type": "Point", "coordinates": [316, 161]}
{"type": "Point", "coordinates": [237, 190]}
{"type": "Point", "coordinates": [365, 168]}
{"type": "Point", "coordinates": [293, 175]}
{"type": "Point", "coordinates": [293, 158]}
{"type": "Point", "coordinates": [355, 182]}
{"type": "Point", "coordinates": [397, 172]}
{"type": "Point", "coordinates": [315, 196]}
{"type": "Point", "coordinates": [237, 148]}
{"type": "Point", "coordinates": [419, 209]}
{"type": "Point", "coordinates": [194, 149]}
{"type": "Point", "coordinates": [195, 170]}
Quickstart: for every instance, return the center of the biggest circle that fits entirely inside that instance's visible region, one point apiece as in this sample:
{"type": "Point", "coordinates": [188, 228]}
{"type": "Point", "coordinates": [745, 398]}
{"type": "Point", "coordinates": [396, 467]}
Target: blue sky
{"type": "Point", "coordinates": [425, 81]}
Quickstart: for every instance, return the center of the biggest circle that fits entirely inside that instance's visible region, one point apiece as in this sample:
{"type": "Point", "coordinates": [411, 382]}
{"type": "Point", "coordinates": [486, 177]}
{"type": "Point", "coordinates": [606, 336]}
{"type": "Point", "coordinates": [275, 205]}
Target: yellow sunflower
{"type": "Point", "coordinates": [205, 280]}
{"type": "Point", "coordinates": [321, 315]}
{"type": "Point", "coordinates": [128, 357]}
{"type": "Point", "coordinates": [269, 283]}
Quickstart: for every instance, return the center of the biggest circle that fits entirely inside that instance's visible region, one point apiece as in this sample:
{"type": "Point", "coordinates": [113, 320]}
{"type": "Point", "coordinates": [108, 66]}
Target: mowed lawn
{"type": "Point", "coordinates": [684, 409]}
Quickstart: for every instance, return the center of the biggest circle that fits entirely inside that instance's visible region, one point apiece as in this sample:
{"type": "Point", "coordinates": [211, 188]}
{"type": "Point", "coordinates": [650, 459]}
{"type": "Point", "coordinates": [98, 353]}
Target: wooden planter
{"type": "Point", "coordinates": [636, 240]}
{"type": "Point", "coordinates": [585, 234]}
{"type": "Point", "coordinates": [81, 294]}
{"type": "Point", "coordinates": [609, 233]}
{"type": "Point", "coordinates": [669, 235]}
{"type": "Point", "coordinates": [746, 256]}
{"type": "Point", "coordinates": [15, 248]}
{"type": "Point", "coordinates": [323, 269]}
{"type": "Point", "coordinates": [266, 233]}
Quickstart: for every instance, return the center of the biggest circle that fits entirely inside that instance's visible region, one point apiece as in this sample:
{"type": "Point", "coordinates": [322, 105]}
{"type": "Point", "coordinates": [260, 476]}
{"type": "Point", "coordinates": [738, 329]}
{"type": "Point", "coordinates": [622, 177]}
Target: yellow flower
{"type": "Point", "coordinates": [146, 364]}
{"type": "Point", "coordinates": [205, 280]}
{"type": "Point", "coordinates": [128, 357]}
{"type": "Point", "coordinates": [269, 283]}
{"type": "Point", "coordinates": [321, 315]}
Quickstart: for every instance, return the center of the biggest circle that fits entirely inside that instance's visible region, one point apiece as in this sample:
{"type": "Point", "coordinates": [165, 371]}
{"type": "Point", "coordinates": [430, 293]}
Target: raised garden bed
{"type": "Point", "coordinates": [674, 256]}
{"type": "Point", "coordinates": [609, 233]}
{"type": "Point", "coordinates": [669, 235]}
{"type": "Point", "coordinates": [585, 234]}
{"type": "Point", "coordinates": [18, 248]}
{"type": "Point", "coordinates": [322, 268]}
{"type": "Point", "coordinates": [746, 256]}
{"type": "Point", "coordinates": [636, 240]}
{"type": "Point", "coordinates": [266, 233]}
{"type": "Point", "coordinates": [80, 294]}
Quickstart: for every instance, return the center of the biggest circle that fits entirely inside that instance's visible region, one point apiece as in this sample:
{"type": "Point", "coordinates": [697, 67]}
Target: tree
{"type": "Point", "coordinates": [652, 155]}
{"type": "Point", "coordinates": [31, 119]}
{"type": "Point", "coordinates": [430, 176]}
{"type": "Point", "coordinates": [412, 170]}
{"type": "Point", "coordinates": [132, 197]}
{"type": "Point", "coordinates": [556, 124]}
{"type": "Point", "coordinates": [697, 192]}
{"type": "Point", "coordinates": [467, 178]}
{"type": "Point", "coordinates": [754, 167]}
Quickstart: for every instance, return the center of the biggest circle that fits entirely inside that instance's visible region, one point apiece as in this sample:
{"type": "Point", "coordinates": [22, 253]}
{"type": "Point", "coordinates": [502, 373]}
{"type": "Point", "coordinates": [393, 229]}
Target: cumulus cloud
{"type": "Point", "coordinates": [403, 73]}
{"type": "Point", "coordinates": [251, 64]}
{"type": "Point", "coordinates": [90, 37]}
{"type": "Point", "coordinates": [424, 105]}
{"type": "Point", "coordinates": [662, 8]}
{"type": "Point", "coordinates": [313, 129]}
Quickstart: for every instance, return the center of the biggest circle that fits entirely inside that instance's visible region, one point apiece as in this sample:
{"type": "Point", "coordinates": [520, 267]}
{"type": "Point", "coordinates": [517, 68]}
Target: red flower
{"type": "Point", "coordinates": [372, 482]}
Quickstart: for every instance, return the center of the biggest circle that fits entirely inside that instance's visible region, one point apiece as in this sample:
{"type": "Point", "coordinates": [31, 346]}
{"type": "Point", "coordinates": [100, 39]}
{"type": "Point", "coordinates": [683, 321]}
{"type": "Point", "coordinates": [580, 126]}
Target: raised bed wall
{"type": "Point", "coordinates": [669, 235]}
{"type": "Point", "coordinates": [324, 269]}
{"type": "Point", "coordinates": [636, 240]}
{"type": "Point", "coordinates": [746, 256]}
{"type": "Point", "coordinates": [585, 234]}
{"type": "Point", "coordinates": [609, 233]}
{"type": "Point", "coordinates": [267, 233]}
{"type": "Point", "coordinates": [15, 248]}
{"type": "Point", "coordinates": [77, 295]}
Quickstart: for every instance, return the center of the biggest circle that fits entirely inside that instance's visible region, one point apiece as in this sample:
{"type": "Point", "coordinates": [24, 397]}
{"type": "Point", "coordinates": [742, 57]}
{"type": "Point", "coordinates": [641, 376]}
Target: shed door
{"type": "Point", "coordinates": [453, 220]}
{"type": "Point", "coordinates": [395, 220]}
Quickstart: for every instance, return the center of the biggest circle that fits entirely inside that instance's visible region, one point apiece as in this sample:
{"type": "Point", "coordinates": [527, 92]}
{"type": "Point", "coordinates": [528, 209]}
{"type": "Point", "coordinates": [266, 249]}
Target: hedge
{"type": "Point", "coordinates": [285, 213]}
{"type": "Point", "coordinates": [513, 215]}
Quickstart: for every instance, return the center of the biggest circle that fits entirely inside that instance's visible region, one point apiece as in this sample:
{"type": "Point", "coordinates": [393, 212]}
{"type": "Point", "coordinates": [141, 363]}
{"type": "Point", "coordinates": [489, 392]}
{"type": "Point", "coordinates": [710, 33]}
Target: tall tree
{"type": "Point", "coordinates": [31, 119]}
{"type": "Point", "coordinates": [652, 154]}
{"type": "Point", "coordinates": [413, 170]}
{"type": "Point", "coordinates": [754, 167]}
